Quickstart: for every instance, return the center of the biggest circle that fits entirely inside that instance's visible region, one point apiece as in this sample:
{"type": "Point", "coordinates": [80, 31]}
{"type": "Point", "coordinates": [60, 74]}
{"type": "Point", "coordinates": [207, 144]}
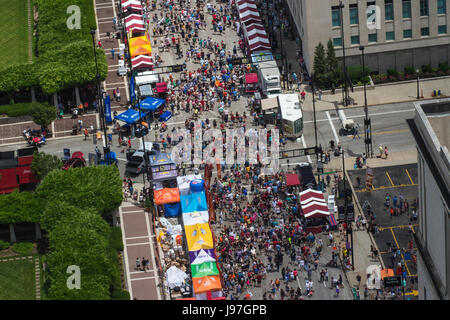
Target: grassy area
{"type": "Point", "coordinates": [17, 280]}
{"type": "Point", "coordinates": [13, 32]}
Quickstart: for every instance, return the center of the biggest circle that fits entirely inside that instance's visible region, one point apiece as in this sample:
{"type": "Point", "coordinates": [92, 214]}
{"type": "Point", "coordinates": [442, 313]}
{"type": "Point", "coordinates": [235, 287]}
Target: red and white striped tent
{"type": "Point", "coordinates": [313, 204]}
{"type": "Point", "coordinates": [254, 29]}
{"type": "Point", "coordinates": [259, 46]}
{"type": "Point", "coordinates": [250, 18]}
{"type": "Point", "coordinates": [257, 38]}
{"type": "Point", "coordinates": [243, 2]}
{"type": "Point", "coordinates": [142, 62]}
{"type": "Point", "coordinates": [134, 5]}
{"type": "Point", "coordinates": [246, 4]}
{"type": "Point", "coordinates": [135, 22]}
{"type": "Point", "coordinates": [246, 10]}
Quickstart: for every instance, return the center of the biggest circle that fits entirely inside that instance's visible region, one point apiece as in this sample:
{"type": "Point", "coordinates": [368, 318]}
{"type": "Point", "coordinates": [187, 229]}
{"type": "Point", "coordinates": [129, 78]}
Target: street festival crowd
{"type": "Point", "coordinates": [256, 227]}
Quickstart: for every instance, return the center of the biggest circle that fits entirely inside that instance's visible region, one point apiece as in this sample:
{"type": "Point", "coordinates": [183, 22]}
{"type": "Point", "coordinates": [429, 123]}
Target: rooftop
{"type": "Point", "coordinates": [440, 124]}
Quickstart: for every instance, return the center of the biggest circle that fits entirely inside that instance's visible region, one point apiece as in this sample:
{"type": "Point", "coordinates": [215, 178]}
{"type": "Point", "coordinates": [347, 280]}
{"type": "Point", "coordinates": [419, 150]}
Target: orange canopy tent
{"type": "Point", "coordinates": [387, 273]}
{"type": "Point", "coordinates": [139, 41]}
{"type": "Point", "coordinates": [167, 195]}
{"type": "Point", "coordinates": [205, 284]}
{"type": "Point", "coordinates": [140, 50]}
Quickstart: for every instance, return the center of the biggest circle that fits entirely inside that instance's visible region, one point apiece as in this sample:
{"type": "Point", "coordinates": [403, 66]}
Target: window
{"type": "Point", "coordinates": [389, 10]}
{"type": "Point", "coordinates": [424, 32]}
{"type": "Point", "coordinates": [354, 14]}
{"type": "Point", "coordinates": [337, 42]}
{"type": "Point", "coordinates": [355, 39]}
{"type": "Point", "coordinates": [406, 8]}
{"type": "Point", "coordinates": [442, 29]}
{"type": "Point", "coordinates": [441, 7]}
{"type": "Point", "coordinates": [390, 35]}
{"type": "Point", "coordinates": [336, 16]}
{"type": "Point", "coordinates": [372, 37]}
{"type": "Point", "coordinates": [407, 33]}
{"type": "Point", "coordinates": [423, 7]}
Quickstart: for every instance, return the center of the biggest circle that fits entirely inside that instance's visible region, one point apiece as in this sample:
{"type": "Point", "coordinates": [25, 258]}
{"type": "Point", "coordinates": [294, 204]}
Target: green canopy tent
{"type": "Point", "coordinates": [204, 269]}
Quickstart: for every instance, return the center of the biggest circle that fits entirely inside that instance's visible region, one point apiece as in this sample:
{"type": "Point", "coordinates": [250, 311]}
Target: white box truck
{"type": "Point", "coordinates": [269, 78]}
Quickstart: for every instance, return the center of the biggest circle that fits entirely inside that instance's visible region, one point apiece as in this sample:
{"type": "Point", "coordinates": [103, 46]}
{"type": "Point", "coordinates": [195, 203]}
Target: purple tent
{"type": "Point", "coordinates": [203, 255]}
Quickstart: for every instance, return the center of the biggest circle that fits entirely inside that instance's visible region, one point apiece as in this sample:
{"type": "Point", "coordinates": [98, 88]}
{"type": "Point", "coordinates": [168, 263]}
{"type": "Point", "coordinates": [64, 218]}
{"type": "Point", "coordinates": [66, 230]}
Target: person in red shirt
{"type": "Point", "coordinates": [99, 44]}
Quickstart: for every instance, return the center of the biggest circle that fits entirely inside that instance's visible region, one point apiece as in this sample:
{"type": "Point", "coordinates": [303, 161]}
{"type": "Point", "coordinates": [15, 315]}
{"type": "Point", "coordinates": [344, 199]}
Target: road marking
{"type": "Point", "coordinates": [390, 132]}
{"type": "Point", "coordinates": [363, 115]}
{"type": "Point", "coordinates": [304, 146]}
{"type": "Point", "coordinates": [332, 127]}
{"type": "Point", "coordinates": [137, 244]}
{"type": "Point", "coordinates": [139, 211]}
{"type": "Point", "coordinates": [145, 278]}
{"type": "Point", "coordinates": [382, 187]}
{"type": "Point", "coordinates": [125, 255]}
{"type": "Point", "coordinates": [395, 239]}
{"type": "Point", "coordinates": [412, 182]}
{"type": "Point", "coordinates": [397, 227]}
{"type": "Point", "coordinates": [389, 177]}
{"type": "Point", "coordinates": [130, 238]}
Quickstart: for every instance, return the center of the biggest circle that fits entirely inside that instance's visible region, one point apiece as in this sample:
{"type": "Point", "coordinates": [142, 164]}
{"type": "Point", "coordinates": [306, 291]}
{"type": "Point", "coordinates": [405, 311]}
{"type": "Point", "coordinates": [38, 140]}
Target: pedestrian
{"type": "Point", "coordinates": [112, 53]}
{"type": "Point", "coordinates": [380, 149]}
{"type": "Point", "coordinates": [138, 264]}
{"type": "Point", "coordinates": [86, 133]}
{"type": "Point", "coordinates": [118, 95]}
{"type": "Point", "coordinates": [303, 95]}
{"type": "Point", "coordinates": [337, 290]}
{"type": "Point", "coordinates": [355, 133]}
{"type": "Point", "coordinates": [386, 152]}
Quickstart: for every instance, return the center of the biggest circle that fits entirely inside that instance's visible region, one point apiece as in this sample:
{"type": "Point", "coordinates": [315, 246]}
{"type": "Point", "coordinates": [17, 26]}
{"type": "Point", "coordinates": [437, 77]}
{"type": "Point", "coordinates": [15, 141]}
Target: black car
{"type": "Point", "coordinates": [306, 176]}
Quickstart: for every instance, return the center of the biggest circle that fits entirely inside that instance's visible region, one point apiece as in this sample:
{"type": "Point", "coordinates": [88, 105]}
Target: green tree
{"type": "Point", "coordinates": [319, 65]}
{"type": "Point", "coordinates": [332, 65]}
{"type": "Point", "coordinates": [43, 163]}
{"type": "Point", "coordinates": [43, 115]}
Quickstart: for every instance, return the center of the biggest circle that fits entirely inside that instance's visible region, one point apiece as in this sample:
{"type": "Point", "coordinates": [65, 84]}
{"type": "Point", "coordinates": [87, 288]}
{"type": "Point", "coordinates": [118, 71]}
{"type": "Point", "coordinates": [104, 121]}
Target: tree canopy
{"type": "Point", "coordinates": [43, 163]}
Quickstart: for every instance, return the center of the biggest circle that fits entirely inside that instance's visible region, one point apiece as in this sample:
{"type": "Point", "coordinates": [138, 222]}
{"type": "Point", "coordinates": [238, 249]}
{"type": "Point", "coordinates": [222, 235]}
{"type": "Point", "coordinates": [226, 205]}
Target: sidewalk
{"type": "Point", "coordinates": [381, 94]}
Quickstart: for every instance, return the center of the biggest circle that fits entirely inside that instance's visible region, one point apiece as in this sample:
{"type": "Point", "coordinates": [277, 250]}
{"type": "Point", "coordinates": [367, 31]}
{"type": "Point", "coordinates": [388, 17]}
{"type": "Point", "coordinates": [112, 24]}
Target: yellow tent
{"type": "Point", "coordinates": [140, 45]}
{"type": "Point", "coordinates": [199, 237]}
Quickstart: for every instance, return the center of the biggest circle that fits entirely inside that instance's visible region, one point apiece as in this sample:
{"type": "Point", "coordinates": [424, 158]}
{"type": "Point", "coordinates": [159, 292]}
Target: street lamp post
{"type": "Point", "coordinates": [349, 230]}
{"type": "Point", "coordinates": [367, 125]}
{"type": "Point", "coordinates": [100, 100]}
{"type": "Point", "coordinates": [418, 94]}
{"type": "Point", "coordinates": [346, 97]}
{"type": "Point", "coordinates": [142, 137]}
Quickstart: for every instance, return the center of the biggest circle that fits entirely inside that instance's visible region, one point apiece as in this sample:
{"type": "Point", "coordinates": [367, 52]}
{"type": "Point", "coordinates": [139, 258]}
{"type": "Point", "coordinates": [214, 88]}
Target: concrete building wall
{"type": "Point", "coordinates": [434, 215]}
{"type": "Point", "coordinates": [316, 26]}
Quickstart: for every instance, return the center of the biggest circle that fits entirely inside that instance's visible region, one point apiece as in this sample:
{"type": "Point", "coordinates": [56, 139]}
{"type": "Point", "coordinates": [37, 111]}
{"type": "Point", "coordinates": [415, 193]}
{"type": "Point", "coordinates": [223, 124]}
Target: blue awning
{"type": "Point", "coordinates": [151, 103]}
{"type": "Point", "coordinates": [130, 116]}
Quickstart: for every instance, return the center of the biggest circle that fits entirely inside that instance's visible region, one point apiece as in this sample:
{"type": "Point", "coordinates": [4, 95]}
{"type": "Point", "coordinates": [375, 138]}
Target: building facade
{"type": "Point", "coordinates": [430, 128]}
{"type": "Point", "coordinates": [401, 33]}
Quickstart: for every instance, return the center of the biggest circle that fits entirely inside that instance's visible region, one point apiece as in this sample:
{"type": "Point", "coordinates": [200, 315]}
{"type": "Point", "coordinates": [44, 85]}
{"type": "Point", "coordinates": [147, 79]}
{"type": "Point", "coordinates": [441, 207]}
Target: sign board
{"type": "Point", "coordinates": [392, 281]}
{"type": "Point", "coordinates": [369, 179]}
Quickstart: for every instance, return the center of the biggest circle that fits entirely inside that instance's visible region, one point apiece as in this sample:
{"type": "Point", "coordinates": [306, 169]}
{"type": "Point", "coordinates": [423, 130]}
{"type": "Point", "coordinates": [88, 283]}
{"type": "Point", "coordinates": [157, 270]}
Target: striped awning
{"type": "Point", "coordinates": [142, 62]}
{"type": "Point", "coordinates": [131, 4]}
{"type": "Point", "coordinates": [313, 204]}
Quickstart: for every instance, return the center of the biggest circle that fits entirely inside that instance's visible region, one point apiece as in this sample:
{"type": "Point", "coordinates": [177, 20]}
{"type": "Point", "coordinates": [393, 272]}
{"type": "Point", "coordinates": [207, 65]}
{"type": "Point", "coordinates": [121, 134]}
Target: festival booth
{"type": "Point", "coordinates": [199, 236]}
{"type": "Point", "coordinates": [184, 183]}
{"type": "Point", "coordinates": [163, 170]}
{"type": "Point", "coordinates": [314, 209]}
{"type": "Point", "coordinates": [191, 218]}
{"type": "Point", "coordinates": [251, 82]}
{"type": "Point", "coordinates": [134, 25]}
{"type": "Point", "coordinates": [131, 6]}
{"type": "Point", "coordinates": [151, 105]}
{"type": "Point", "coordinates": [201, 256]}
{"type": "Point", "coordinates": [130, 117]}
{"type": "Point", "coordinates": [142, 62]}
{"type": "Point", "coordinates": [166, 195]}
{"type": "Point", "coordinates": [194, 202]}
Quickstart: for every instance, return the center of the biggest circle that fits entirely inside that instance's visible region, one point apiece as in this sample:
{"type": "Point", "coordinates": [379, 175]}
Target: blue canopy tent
{"type": "Point", "coordinates": [130, 116]}
{"type": "Point", "coordinates": [172, 209]}
{"type": "Point", "coordinates": [150, 104]}
{"type": "Point", "coordinates": [194, 202]}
